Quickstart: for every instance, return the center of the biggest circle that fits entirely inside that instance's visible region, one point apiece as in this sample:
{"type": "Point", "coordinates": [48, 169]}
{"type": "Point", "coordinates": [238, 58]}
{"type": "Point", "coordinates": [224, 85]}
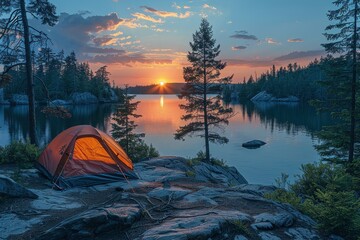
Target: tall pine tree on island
{"type": "Point", "coordinates": [344, 39]}
{"type": "Point", "coordinates": [123, 130]}
{"type": "Point", "coordinates": [203, 111]}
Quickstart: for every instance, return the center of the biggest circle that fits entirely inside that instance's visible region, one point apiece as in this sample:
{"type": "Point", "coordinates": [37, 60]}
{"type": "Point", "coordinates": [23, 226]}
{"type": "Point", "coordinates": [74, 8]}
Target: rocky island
{"type": "Point", "coordinates": [173, 199]}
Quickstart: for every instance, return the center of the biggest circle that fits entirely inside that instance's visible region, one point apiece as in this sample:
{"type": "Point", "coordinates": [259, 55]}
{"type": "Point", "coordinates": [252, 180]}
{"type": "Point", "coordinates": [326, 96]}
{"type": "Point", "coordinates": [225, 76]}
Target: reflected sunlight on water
{"type": "Point", "coordinates": [286, 128]}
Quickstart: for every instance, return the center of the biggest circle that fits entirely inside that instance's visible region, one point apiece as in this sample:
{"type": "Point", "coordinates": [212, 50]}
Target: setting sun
{"type": "Point", "coordinates": [162, 83]}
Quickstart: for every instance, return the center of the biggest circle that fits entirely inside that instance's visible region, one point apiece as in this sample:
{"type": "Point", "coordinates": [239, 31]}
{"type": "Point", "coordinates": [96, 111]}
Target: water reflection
{"type": "Point", "coordinates": [163, 118]}
{"type": "Point", "coordinates": [16, 121]}
{"type": "Point", "coordinates": [288, 117]}
{"type": "Point", "coordinates": [286, 128]}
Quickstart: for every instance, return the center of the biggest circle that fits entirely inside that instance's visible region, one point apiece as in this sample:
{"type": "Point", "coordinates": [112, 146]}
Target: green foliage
{"type": "Point", "coordinates": [193, 162]}
{"type": "Point", "coordinates": [282, 182]}
{"type": "Point", "coordinates": [57, 77]}
{"type": "Point", "coordinates": [335, 141]}
{"type": "Point", "coordinates": [353, 169]}
{"type": "Point", "coordinates": [201, 157]}
{"type": "Point", "coordinates": [343, 37]}
{"type": "Point", "coordinates": [203, 112]}
{"type": "Point", "coordinates": [336, 212]}
{"type": "Point", "coordinates": [190, 174]}
{"type": "Point", "coordinates": [124, 131]}
{"type": "Point", "coordinates": [142, 151]}
{"type": "Point", "coordinates": [281, 195]}
{"type": "Point", "coordinates": [321, 177]}
{"type": "Point", "coordinates": [242, 228]}
{"type": "Point", "coordinates": [302, 82]}
{"type": "Point", "coordinates": [326, 193]}
{"type": "Point", "coordinates": [23, 154]}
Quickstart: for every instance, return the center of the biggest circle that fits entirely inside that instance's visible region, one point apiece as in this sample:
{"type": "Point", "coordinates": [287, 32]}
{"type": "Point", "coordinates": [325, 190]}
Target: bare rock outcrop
{"type": "Point", "coordinates": [167, 202]}
{"type": "Point", "coordinates": [267, 97]}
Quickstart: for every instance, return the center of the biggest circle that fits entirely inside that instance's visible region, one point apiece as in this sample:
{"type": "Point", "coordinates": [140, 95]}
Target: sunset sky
{"type": "Point", "coordinates": [146, 41]}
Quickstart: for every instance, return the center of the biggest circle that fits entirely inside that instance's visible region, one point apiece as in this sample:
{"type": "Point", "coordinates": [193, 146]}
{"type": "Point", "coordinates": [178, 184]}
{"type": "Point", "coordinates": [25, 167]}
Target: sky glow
{"type": "Point", "coordinates": [144, 41]}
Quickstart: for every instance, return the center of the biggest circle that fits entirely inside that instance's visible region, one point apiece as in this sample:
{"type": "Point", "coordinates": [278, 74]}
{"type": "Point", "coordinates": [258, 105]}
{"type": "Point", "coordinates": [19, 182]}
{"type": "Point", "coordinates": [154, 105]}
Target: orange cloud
{"type": "Point", "coordinates": [166, 14]}
{"type": "Point", "coordinates": [295, 40]}
{"type": "Point", "coordinates": [147, 18]}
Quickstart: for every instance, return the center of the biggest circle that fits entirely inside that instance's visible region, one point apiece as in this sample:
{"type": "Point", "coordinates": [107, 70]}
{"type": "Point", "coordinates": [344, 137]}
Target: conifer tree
{"type": "Point", "coordinates": [17, 38]}
{"type": "Point", "coordinates": [344, 39]}
{"type": "Point", "coordinates": [124, 130]}
{"type": "Point", "coordinates": [203, 111]}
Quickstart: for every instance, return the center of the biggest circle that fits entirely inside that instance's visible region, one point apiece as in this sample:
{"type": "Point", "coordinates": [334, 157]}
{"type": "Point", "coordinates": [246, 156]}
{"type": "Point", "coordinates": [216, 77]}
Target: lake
{"type": "Point", "coordinates": [287, 129]}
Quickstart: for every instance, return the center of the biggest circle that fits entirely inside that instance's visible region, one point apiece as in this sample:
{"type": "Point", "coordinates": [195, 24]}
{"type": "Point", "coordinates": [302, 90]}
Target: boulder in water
{"type": "Point", "coordinates": [253, 144]}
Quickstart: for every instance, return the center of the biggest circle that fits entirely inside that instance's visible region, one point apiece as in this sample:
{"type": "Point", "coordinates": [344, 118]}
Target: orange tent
{"type": "Point", "coordinates": [84, 156]}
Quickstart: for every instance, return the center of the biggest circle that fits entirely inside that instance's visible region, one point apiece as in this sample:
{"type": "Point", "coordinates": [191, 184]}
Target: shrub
{"type": "Point", "coordinates": [190, 174]}
{"type": "Point", "coordinates": [281, 195]}
{"type": "Point", "coordinates": [23, 154]}
{"type": "Point", "coordinates": [200, 157]}
{"type": "Point", "coordinates": [243, 228]}
{"type": "Point", "coordinates": [192, 162]}
{"type": "Point", "coordinates": [336, 212]}
{"type": "Point", "coordinates": [321, 177]}
{"type": "Point", "coordinates": [326, 193]}
{"type": "Point", "coordinates": [142, 151]}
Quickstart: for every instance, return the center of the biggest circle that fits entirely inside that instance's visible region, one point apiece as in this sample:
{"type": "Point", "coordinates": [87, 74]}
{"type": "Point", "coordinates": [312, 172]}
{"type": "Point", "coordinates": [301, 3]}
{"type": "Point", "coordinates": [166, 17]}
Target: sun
{"type": "Point", "coordinates": [162, 83]}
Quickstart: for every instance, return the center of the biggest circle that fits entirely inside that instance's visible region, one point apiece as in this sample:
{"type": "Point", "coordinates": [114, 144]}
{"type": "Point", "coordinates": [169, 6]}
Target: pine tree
{"type": "Point", "coordinates": [346, 40]}
{"type": "Point", "coordinates": [17, 38]}
{"type": "Point", "coordinates": [204, 112]}
{"type": "Point", "coordinates": [123, 130]}
{"type": "Point", "coordinates": [69, 76]}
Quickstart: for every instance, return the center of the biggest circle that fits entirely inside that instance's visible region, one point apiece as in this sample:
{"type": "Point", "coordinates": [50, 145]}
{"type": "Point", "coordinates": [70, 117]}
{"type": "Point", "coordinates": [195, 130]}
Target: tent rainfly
{"type": "Point", "coordinates": [84, 156]}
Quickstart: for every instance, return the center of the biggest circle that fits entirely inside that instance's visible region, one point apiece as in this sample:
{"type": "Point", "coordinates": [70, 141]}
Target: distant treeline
{"type": "Point", "coordinates": [57, 77]}
{"type": "Point", "coordinates": [168, 88]}
{"type": "Point", "coordinates": [293, 80]}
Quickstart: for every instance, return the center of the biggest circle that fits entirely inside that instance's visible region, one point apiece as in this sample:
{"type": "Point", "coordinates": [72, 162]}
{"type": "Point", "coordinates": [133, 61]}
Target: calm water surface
{"type": "Point", "coordinates": [286, 128]}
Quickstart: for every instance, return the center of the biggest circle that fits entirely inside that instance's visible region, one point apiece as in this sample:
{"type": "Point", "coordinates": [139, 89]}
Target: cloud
{"type": "Point", "coordinates": [295, 40]}
{"type": "Point", "coordinates": [207, 6]}
{"type": "Point", "coordinates": [116, 34]}
{"type": "Point", "coordinates": [272, 41]}
{"type": "Point", "coordinates": [147, 18]}
{"type": "Point", "coordinates": [229, 22]}
{"type": "Point", "coordinates": [85, 36]}
{"type": "Point", "coordinates": [179, 7]}
{"type": "Point", "coordinates": [301, 54]}
{"type": "Point", "coordinates": [176, 6]}
{"type": "Point", "coordinates": [161, 50]}
{"type": "Point", "coordinates": [278, 60]}
{"type": "Point", "coordinates": [248, 63]}
{"type": "Point", "coordinates": [243, 35]}
{"type": "Point", "coordinates": [126, 59]}
{"type": "Point", "coordinates": [237, 48]}
{"type": "Point", "coordinates": [124, 38]}
{"type": "Point", "coordinates": [166, 14]}
{"type": "Point", "coordinates": [104, 40]}
{"type": "Point", "coordinates": [184, 15]}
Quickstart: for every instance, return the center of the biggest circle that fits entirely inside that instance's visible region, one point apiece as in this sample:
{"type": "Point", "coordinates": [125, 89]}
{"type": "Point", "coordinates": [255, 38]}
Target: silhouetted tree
{"type": "Point", "coordinates": [123, 130]}
{"type": "Point", "coordinates": [69, 76]}
{"type": "Point", "coordinates": [203, 112]}
{"type": "Point", "coordinates": [343, 37]}
{"type": "Point", "coordinates": [17, 38]}
{"type": "Point", "coordinates": [100, 83]}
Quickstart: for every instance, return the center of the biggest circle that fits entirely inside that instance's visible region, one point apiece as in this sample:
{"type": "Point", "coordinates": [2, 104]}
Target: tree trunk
{"type": "Point", "coordinates": [206, 126]}
{"type": "Point", "coordinates": [353, 88]}
{"type": "Point", "coordinates": [29, 75]}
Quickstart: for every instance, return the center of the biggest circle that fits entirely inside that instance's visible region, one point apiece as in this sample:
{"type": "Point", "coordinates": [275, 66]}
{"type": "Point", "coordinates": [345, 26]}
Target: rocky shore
{"type": "Point", "coordinates": [77, 98]}
{"type": "Point", "coordinates": [172, 199]}
{"type": "Point", "coordinates": [266, 97]}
